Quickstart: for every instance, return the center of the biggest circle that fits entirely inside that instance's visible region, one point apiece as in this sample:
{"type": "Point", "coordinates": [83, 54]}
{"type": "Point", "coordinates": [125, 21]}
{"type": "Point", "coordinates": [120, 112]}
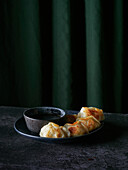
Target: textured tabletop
{"type": "Point", "coordinates": [107, 149]}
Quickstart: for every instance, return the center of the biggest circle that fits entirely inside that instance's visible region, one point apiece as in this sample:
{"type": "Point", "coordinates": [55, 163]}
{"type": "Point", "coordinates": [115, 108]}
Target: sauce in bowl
{"type": "Point", "coordinates": [45, 116]}
{"type": "Point", "coordinates": [36, 118]}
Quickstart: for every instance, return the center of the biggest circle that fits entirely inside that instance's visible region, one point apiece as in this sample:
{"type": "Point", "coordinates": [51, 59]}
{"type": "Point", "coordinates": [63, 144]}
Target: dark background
{"type": "Point", "coordinates": [64, 53]}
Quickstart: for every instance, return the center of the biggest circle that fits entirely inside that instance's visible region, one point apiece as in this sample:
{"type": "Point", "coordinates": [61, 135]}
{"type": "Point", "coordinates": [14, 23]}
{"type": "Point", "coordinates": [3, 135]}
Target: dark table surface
{"type": "Point", "coordinates": [107, 149]}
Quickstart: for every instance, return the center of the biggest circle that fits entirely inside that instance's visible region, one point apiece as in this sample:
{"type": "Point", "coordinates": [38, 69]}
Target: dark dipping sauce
{"type": "Point", "coordinates": [56, 118]}
{"type": "Point", "coordinates": [46, 116]}
{"type": "Point", "coordinates": [37, 117]}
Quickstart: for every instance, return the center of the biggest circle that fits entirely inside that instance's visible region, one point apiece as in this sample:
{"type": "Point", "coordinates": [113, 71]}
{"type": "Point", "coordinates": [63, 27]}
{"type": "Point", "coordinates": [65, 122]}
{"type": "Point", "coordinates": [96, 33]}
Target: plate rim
{"type": "Point", "coordinates": [44, 139]}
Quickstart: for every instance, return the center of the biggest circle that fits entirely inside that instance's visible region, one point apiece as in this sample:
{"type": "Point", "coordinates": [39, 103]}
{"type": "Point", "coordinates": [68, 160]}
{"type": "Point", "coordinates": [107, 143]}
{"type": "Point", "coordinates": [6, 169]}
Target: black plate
{"type": "Point", "coordinates": [21, 128]}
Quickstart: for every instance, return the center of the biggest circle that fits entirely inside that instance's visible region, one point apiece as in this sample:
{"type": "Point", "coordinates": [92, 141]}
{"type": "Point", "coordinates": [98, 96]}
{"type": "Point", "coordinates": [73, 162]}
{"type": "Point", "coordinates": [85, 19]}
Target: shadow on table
{"type": "Point", "coordinates": [110, 132]}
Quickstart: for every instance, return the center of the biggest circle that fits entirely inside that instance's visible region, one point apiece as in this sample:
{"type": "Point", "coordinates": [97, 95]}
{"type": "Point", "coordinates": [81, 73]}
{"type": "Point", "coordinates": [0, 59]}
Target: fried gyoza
{"type": "Point", "coordinates": [76, 129]}
{"type": "Point", "coordinates": [80, 127]}
{"type": "Point", "coordinates": [91, 122]}
{"type": "Point", "coordinates": [52, 130]}
{"type": "Point", "coordinates": [87, 120]}
{"type": "Point", "coordinates": [91, 111]}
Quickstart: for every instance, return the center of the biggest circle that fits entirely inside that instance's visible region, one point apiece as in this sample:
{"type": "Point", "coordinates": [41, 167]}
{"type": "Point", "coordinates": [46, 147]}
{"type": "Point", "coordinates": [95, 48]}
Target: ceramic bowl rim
{"type": "Point", "coordinates": [43, 107]}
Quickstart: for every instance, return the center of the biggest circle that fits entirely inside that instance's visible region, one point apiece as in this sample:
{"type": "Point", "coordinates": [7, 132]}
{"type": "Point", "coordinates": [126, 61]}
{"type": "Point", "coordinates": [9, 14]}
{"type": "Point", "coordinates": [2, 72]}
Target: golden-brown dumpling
{"type": "Point", "coordinates": [52, 130]}
{"type": "Point", "coordinates": [90, 122]}
{"type": "Point", "coordinates": [91, 111]}
{"type": "Point", "coordinates": [76, 129]}
{"type": "Point", "coordinates": [87, 120]}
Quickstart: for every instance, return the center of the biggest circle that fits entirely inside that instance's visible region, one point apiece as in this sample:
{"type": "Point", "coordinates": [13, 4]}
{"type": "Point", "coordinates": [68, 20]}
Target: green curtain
{"type": "Point", "coordinates": [64, 53]}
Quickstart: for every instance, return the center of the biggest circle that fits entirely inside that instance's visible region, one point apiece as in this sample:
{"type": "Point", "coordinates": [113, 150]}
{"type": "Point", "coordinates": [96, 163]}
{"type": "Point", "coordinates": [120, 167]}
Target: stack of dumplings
{"type": "Point", "coordinates": [86, 120]}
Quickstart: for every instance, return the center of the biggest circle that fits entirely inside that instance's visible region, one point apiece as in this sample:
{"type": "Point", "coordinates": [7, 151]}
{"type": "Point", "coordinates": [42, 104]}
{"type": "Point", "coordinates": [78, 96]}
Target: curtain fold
{"type": "Point", "coordinates": [21, 54]}
{"type": "Point", "coordinates": [104, 44]}
{"type": "Point", "coordinates": [94, 56]}
{"type": "Point", "coordinates": [64, 53]}
{"type": "Point", "coordinates": [62, 78]}
{"type": "Point", "coordinates": [118, 55]}
{"type": "Point", "coordinates": [69, 70]}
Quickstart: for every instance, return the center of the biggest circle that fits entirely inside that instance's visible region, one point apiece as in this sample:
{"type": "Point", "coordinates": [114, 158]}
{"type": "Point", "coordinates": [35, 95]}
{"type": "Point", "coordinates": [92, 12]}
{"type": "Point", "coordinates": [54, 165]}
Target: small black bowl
{"type": "Point", "coordinates": [37, 117]}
